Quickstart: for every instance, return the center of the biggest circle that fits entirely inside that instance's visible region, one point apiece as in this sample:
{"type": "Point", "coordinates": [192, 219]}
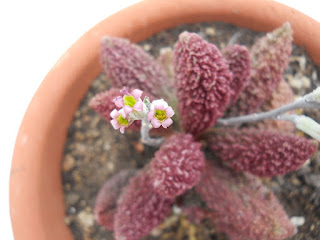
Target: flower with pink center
{"type": "Point", "coordinates": [160, 114]}
{"type": "Point", "coordinates": [119, 121]}
{"type": "Point", "coordinates": [131, 104]}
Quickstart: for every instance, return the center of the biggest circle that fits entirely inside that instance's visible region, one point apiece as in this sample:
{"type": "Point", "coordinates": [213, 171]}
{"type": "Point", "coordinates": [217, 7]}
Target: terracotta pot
{"type": "Point", "coordinates": [36, 196]}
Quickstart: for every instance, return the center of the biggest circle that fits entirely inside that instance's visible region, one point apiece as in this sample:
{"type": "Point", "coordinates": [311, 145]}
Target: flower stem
{"type": "Point", "coordinates": [310, 100]}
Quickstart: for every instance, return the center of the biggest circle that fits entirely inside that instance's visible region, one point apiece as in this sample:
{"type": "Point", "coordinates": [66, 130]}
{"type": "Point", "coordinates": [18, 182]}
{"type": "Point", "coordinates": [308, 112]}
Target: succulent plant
{"type": "Point", "coordinates": [206, 84]}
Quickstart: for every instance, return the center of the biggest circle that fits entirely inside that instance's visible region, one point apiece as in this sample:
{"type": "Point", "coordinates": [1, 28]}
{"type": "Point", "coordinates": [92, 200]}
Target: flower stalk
{"type": "Point", "coordinates": [311, 100]}
{"type": "Point", "coordinates": [303, 123]}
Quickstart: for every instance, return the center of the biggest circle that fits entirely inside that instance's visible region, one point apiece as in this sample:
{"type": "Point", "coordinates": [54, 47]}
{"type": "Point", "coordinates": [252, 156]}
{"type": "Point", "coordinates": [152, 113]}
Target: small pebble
{"type": "Point", "coordinates": [295, 181]}
{"type": "Point", "coordinates": [314, 76]}
{"type": "Point", "coordinates": [79, 136]}
{"type": "Point", "coordinates": [77, 176]}
{"type": "Point", "coordinates": [68, 163]}
{"type": "Point", "coordinates": [110, 166]}
{"type": "Point", "coordinates": [155, 232]}
{"type": "Point", "coordinates": [176, 210]}
{"type": "Point", "coordinates": [72, 198]}
{"type": "Point", "coordinates": [297, 221]}
{"type": "Point", "coordinates": [147, 47]}
{"type": "Point", "coordinates": [93, 134]}
{"type": "Point", "coordinates": [72, 210]}
{"type": "Point", "coordinates": [312, 227]}
{"type": "Point", "coordinates": [210, 31]}
{"type": "Point", "coordinates": [86, 219]}
{"type": "Point", "coordinates": [139, 147]}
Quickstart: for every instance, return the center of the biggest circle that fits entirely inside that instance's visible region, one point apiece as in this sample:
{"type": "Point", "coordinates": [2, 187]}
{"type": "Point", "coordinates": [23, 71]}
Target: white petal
{"type": "Point", "coordinates": [136, 93]}
{"type": "Point", "coordinates": [169, 112]}
{"type": "Point", "coordinates": [114, 113]}
{"type": "Point", "coordinates": [166, 123]}
{"type": "Point", "coordinates": [115, 124]}
{"type": "Point", "coordinates": [155, 123]}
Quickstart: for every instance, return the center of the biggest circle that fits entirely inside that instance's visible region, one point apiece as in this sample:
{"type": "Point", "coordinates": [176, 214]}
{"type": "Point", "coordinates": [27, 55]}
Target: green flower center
{"type": "Point", "coordinates": [160, 115]}
{"type": "Point", "coordinates": [122, 121]}
{"type": "Point", "coordinates": [129, 100]}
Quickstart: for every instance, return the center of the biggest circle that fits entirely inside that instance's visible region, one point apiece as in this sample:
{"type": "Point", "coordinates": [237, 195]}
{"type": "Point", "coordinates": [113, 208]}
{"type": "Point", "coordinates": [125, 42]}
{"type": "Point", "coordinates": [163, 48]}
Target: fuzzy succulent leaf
{"type": "Point", "coordinates": [127, 64]}
{"type": "Point", "coordinates": [165, 59]}
{"type": "Point", "coordinates": [261, 152]}
{"type": "Point", "coordinates": [202, 81]}
{"type": "Point", "coordinates": [281, 96]}
{"type": "Point", "coordinates": [103, 103]}
{"type": "Point", "coordinates": [106, 201]}
{"type": "Point", "coordinates": [177, 165]}
{"type": "Point", "coordinates": [243, 207]}
{"type": "Point", "coordinates": [269, 58]}
{"type": "Point", "coordinates": [238, 59]}
{"type": "Point", "coordinates": [140, 208]}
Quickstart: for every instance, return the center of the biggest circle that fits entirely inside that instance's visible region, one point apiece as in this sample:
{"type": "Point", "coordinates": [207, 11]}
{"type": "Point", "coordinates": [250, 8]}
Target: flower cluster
{"type": "Point", "coordinates": [202, 84]}
{"type": "Point", "coordinates": [131, 107]}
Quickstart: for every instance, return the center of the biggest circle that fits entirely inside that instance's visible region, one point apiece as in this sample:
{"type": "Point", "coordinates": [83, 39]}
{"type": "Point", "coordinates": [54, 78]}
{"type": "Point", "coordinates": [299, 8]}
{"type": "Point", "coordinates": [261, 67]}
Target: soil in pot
{"type": "Point", "coordinates": [94, 151]}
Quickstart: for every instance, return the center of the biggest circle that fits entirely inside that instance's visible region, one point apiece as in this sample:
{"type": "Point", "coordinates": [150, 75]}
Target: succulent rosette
{"type": "Point", "coordinates": [208, 85]}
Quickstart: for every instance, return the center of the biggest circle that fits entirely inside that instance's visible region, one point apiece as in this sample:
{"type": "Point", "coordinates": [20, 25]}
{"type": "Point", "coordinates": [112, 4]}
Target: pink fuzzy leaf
{"type": "Point", "coordinates": [202, 80]}
{"type": "Point", "coordinates": [177, 165]}
{"type": "Point", "coordinates": [261, 152]}
{"type": "Point", "coordinates": [127, 64]}
{"type": "Point", "coordinates": [238, 59]}
{"type": "Point", "coordinates": [106, 201]}
{"type": "Point", "coordinates": [243, 207]}
{"type": "Point", "coordinates": [103, 103]}
{"type": "Point", "coordinates": [140, 208]}
{"type": "Point", "coordinates": [282, 95]}
{"type": "Point", "coordinates": [269, 58]}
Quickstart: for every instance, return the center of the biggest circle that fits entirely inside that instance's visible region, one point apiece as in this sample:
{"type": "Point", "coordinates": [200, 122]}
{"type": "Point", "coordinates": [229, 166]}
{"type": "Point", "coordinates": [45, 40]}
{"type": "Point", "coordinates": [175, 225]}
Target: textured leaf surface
{"type": "Point", "coordinates": [177, 165]}
{"type": "Point", "coordinates": [243, 207]}
{"type": "Point", "coordinates": [238, 59]}
{"type": "Point", "coordinates": [260, 152]}
{"type": "Point", "coordinates": [106, 201]}
{"type": "Point", "coordinates": [281, 96]}
{"type": "Point", "coordinates": [269, 58]}
{"type": "Point", "coordinates": [140, 208]}
{"type": "Point", "coordinates": [202, 80]}
{"type": "Point", "coordinates": [127, 64]}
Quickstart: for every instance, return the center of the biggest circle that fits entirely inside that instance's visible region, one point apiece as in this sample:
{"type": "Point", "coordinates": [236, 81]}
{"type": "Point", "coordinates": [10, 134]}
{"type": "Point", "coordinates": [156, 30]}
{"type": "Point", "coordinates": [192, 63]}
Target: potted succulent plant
{"type": "Point", "coordinates": [35, 184]}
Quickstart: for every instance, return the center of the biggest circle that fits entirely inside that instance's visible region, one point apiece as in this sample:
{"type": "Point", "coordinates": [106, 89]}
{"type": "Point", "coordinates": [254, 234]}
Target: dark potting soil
{"type": "Point", "coordinates": [94, 151]}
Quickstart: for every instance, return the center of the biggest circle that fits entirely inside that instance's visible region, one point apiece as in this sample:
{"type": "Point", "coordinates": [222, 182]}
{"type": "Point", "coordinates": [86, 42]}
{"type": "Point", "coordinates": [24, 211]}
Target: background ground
{"type": "Point", "coordinates": [34, 34]}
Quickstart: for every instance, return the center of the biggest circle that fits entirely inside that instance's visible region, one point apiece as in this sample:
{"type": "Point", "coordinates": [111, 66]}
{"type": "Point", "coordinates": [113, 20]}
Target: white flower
{"type": "Point", "coordinates": [160, 114]}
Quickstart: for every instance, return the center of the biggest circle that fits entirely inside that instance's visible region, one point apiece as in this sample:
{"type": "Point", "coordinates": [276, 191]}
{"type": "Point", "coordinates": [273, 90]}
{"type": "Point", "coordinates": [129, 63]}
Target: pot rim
{"type": "Point", "coordinates": [36, 194]}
